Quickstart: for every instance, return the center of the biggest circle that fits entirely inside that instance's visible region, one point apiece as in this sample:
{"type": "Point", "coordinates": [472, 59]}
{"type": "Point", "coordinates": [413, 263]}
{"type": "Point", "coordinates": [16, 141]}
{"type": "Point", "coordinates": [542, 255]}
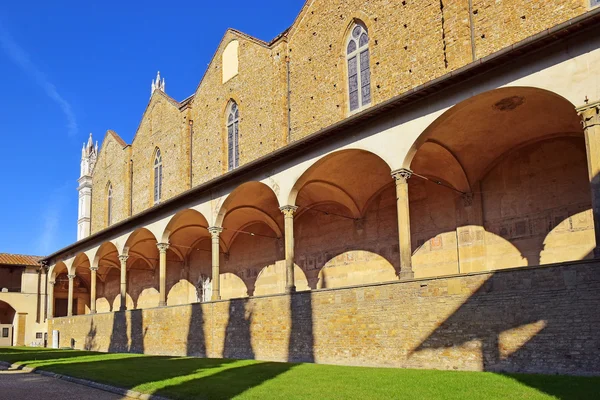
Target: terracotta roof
{"type": "Point", "coordinates": [19, 259]}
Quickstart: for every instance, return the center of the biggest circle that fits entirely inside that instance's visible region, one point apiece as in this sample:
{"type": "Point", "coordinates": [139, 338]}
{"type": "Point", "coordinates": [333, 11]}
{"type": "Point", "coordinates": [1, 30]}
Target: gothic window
{"type": "Point", "coordinates": [359, 72]}
{"type": "Point", "coordinates": [158, 176]}
{"type": "Point", "coordinates": [233, 133]}
{"type": "Point", "coordinates": [109, 202]}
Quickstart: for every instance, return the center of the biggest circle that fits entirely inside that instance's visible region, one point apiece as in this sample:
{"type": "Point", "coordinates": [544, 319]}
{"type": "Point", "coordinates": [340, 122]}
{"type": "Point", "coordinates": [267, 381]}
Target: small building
{"type": "Point", "coordinates": [22, 300]}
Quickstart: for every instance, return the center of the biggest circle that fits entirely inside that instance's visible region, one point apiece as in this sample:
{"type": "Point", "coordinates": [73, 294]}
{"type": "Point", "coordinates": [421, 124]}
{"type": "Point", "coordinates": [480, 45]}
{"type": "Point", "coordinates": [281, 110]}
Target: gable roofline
{"type": "Point", "coordinates": [299, 17]}
{"type": "Point", "coordinates": [169, 99]}
{"type": "Point", "coordinates": [116, 137]}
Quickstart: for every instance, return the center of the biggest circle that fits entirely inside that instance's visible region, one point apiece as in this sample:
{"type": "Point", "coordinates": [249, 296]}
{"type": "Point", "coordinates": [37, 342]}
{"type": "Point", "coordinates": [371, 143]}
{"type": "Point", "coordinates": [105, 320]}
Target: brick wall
{"type": "Point", "coordinates": [541, 319]}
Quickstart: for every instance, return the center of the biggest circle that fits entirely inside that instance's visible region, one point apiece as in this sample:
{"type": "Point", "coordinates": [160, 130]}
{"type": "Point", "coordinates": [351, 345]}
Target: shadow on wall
{"type": "Point", "coordinates": [522, 325]}
{"type": "Point", "coordinates": [301, 344]}
{"type": "Point", "coordinates": [196, 340]}
{"type": "Point", "coordinates": [90, 338]}
{"type": "Point", "coordinates": [238, 341]}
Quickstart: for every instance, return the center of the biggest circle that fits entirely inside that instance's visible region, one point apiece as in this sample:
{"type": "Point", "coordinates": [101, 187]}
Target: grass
{"type": "Point", "coordinates": [198, 378]}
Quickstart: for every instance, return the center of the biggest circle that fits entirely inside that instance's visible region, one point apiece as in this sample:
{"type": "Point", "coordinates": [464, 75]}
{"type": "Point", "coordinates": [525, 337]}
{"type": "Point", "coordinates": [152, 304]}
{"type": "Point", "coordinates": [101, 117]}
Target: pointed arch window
{"type": "Point", "coordinates": [359, 71]}
{"type": "Point", "coordinates": [233, 134]}
{"type": "Point", "coordinates": [109, 204]}
{"type": "Point", "coordinates": [158, 176]}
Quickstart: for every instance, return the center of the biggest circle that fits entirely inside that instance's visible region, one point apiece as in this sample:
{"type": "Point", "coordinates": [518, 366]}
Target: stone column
{"type": "Point", "coordinates": [290, 283]}
{"type": "Point", "coordinates": [123, 259]}
{"type": "Point", "coordinates": [70, 301]}
{"type": "Point", "coordinates": [590, 118]}
{"type": "Point", "coordinates": [162, 250]}
{"type": "Point", "coordinates": [401, 177]}
{"type": "Point", "coordinates": [215, 231]}
{"type": "Point", "coordinates": [50, 312]}
{"type": "Point", "coordinates": [94, 271]}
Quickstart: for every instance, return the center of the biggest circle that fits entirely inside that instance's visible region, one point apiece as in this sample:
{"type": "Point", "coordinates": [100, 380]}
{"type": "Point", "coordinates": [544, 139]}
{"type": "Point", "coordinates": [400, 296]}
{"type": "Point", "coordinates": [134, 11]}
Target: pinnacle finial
{"type": "Point", "coordinates": [157, 84]}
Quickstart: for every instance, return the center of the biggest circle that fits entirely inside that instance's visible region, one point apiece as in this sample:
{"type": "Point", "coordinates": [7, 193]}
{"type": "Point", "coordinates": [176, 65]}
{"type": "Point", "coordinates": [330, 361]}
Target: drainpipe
{"type": "Point", "coordinates": [289, 107]}
{"type": "Point", "coordinates": [130, 187]}
{"type": "Point", "coordinates": [191, 122]}
{"type": "Point", "coordinates": [472, 27]}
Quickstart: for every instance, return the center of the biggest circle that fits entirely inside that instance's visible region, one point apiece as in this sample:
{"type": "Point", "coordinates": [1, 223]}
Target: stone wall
{"type": "Point", "coordinates": [541, 319]}
{"type": "Point", "coordinates": [112, 166]}
{"type": "Point", "coordinates": [259, 89]}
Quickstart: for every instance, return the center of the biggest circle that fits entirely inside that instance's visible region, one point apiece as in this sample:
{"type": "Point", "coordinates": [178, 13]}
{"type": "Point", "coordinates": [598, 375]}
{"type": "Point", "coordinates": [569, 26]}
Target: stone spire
{"type": "Point", "coordinates": [89, 155]}
{"type": "Point", "coordinates": [157, 84]}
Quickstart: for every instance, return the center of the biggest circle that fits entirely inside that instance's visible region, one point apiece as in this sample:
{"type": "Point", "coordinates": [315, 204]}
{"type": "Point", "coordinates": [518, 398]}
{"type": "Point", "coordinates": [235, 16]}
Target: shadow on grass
{"type": "Point", "coordinates": [178, 378]}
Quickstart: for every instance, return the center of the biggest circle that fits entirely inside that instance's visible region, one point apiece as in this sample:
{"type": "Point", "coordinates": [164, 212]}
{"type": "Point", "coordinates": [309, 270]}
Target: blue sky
{"type": "Point", "coordinates": [68, 68]}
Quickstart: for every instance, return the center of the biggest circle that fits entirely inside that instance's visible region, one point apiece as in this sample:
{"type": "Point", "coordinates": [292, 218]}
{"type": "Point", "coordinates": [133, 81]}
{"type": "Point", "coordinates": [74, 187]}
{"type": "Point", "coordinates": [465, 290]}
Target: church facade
{"type": "Point", "coordinates": [408, 151]}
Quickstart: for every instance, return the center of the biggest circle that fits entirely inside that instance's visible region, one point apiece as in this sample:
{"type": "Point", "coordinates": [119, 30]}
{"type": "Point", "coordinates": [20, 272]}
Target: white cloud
{"type": "Point", "coordinates": [22, 59]}
{"type": "Point", "coordinates": [49, 240]}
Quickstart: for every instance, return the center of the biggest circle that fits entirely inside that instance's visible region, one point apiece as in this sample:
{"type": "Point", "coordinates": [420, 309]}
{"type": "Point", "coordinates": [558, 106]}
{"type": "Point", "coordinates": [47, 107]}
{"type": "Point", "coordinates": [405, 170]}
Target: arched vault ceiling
{"type": "Point", "coordinates": [240, 219]}
{"type": "Point", "coordinates": [480, 130]}
{"type": "Point", "coordinates": [347, 177]}
{"type": "Point", "coordinates": [252, 194]}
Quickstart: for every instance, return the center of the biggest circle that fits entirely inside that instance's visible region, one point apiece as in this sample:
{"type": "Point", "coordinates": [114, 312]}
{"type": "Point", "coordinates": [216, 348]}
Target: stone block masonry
{"type": "Point", "coordinates": [533, 320]}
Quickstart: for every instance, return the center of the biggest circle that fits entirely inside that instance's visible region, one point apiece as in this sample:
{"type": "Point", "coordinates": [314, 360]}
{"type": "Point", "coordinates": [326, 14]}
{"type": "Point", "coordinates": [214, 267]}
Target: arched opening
{"type": "Point", "coordinates": [346, 221]}
{"type": "Point", "coordinates": [61, 290]}
{"type": "Point", "coordinates": [142, 271]}
{"type": "Point", "coordinates": [188, 258]}
{"type": "Point", "coordinates": [81, 284]}
{"type": "Point", "coordinates": [252, 240]}
{"type": "Point", "coordinates": [7, 320]}
{"type": "Point", "coordinates": [108, 277]}
{"type": "Point", "coordinates": [500, 180]}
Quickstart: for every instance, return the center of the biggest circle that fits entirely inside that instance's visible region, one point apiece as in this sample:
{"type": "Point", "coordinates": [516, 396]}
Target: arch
{"type": "Point", "coordinates": [262, 196]}
{"type": "Point", "coordinates": [232, 123]}
{"type": "Point", "coordinates": [252, 232]}
{"type": "Point", "coordinates": [187, 218]}
{"type": "Point", "coordinates": [7, 312]}
{"type": "Point", "coordinates": [372, 268]}
{"type": "Point", "coordinates": [494, 206]}
{"type": "Point", "coordinates": [522, 114]}
{"type": "Point", "coordinates": [341, 169]}
{"type": "Point", "coordinates": [337, 192]}
{"type": "Point", "coordinates": [157, 174]}
{"type": "Point", "coordinates": [271, 280]}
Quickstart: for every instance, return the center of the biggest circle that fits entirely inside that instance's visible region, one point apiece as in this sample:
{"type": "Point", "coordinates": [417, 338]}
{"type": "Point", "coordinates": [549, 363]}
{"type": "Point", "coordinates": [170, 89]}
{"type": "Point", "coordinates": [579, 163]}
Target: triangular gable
{"type": "Point", "coordinates": [169, 99]}
{"type": "Point", "coordinates": [110, 135]}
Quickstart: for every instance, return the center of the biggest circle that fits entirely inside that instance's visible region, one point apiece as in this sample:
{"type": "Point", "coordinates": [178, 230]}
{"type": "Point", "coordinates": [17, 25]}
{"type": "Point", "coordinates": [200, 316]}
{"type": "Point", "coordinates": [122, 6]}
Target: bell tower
{"type": "Point", "coordinates": [89, 154]}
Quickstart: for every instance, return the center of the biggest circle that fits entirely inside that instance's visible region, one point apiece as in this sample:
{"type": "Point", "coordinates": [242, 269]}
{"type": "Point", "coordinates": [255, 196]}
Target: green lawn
{"type": "Point", "coordinates": [197, 378]}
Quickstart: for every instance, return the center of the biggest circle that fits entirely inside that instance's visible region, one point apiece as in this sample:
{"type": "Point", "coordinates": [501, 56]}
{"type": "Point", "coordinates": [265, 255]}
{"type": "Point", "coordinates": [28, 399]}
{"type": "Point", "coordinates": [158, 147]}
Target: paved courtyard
{"type": "Point", "coordinates": [20, 385]}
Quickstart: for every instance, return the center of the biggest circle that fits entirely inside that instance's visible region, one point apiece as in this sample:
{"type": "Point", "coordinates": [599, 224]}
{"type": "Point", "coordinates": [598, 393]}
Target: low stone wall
{"type": "Point", "coordinates": [541, 320]}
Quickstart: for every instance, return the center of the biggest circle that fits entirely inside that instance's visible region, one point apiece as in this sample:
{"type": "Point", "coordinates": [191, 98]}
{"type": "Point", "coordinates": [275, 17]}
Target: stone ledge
{"type": "Point", "coordinates": [107, 388]}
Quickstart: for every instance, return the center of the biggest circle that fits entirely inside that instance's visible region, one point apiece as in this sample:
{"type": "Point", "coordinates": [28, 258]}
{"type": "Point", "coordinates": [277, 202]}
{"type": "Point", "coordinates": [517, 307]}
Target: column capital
{"type": "Point", "coordinates": [93, 268]}
{"type": "Point", "coordinates": [71, 276]}
{"type": "Point", "coordinates": [590, 115]}
{"type": "Point", "coordinates": [215, 231]}
{"type": "Point", "coordinates": [162, 247]}
{"type": "Point", "coordinates": [123, 258]}
{"type": "Point", "coordinates": [52, 282]}
{"type": "Point", "coordinates": [288, 211]}
{"type": "Point", "coordinates": [402, 175]}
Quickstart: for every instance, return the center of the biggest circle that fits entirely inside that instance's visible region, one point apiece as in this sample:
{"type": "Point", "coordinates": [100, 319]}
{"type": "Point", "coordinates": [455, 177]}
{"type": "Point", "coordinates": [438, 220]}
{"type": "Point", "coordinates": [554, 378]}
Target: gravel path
{"type": "Point", "coordinates": [20, 385]}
